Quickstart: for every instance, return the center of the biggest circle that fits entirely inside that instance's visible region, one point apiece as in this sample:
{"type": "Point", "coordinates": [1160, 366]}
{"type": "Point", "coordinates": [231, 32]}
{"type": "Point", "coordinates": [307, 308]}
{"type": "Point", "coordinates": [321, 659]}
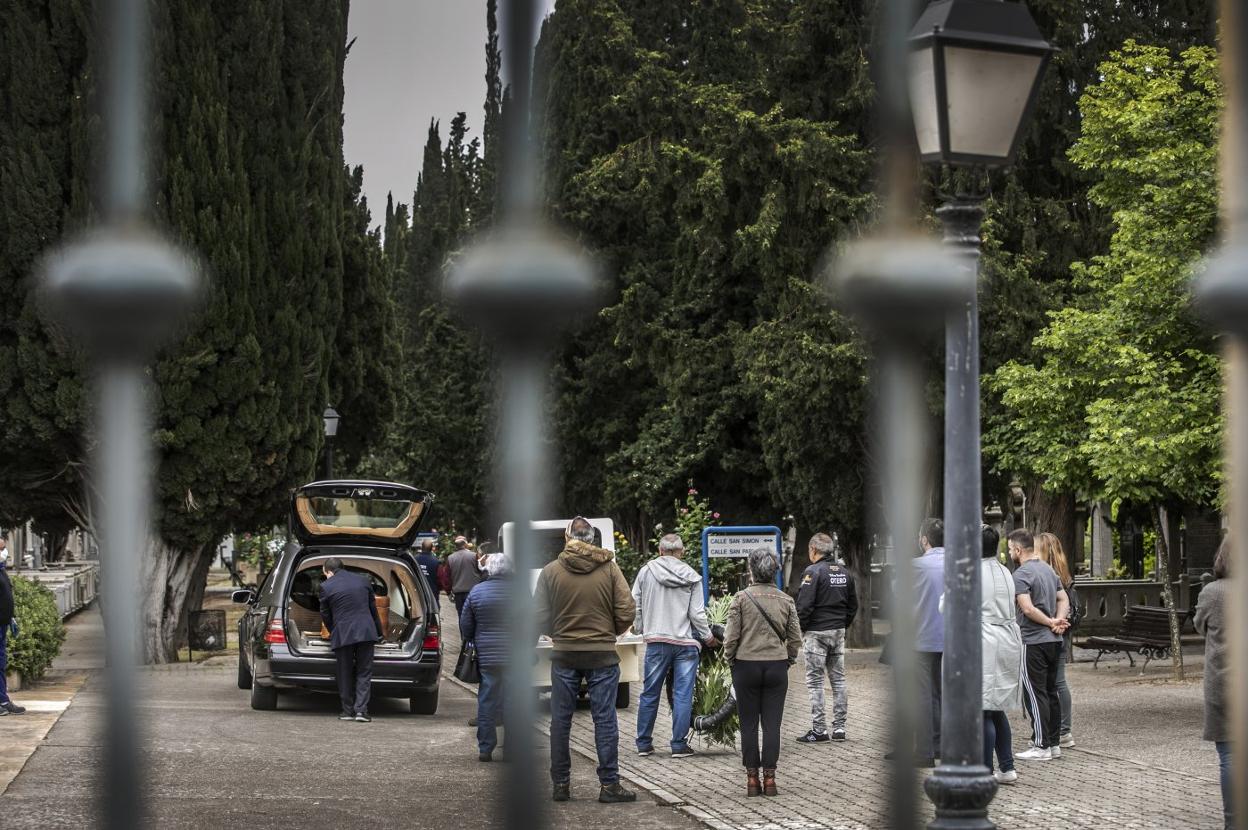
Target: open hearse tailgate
{"type": "Point", "coordinates": [376, 513]}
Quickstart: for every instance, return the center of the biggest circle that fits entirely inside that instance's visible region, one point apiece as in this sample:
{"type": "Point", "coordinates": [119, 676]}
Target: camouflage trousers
{"type": "Point", "coordinates": [825, 655]}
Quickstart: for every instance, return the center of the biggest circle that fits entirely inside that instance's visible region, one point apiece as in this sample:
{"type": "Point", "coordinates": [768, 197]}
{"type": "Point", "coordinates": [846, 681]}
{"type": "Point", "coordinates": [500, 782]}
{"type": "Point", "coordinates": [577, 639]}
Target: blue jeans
{"type": "Point", "coordinates": [660, 658]}
{"type": "Point", "coordinates": [997, 736]}
{"type": "Point", "coordinates": [564, 685]}
{"type": "Point", "coordinates": [4, 663]}
{"type": "Point", "coordinates": [1224, 766]}
{"type": "Point", "coordinates": [489, 707]}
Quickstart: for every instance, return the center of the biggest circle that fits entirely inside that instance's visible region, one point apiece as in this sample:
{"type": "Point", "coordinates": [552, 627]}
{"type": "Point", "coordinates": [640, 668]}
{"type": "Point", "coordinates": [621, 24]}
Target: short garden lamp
{"type": "Point", "coordinates": [331, 418]}
{"type": "Point", "coordinates": [975, 70]}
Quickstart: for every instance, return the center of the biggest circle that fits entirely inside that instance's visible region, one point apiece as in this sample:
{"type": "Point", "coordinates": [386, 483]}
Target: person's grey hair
{"type": "Point", "coordinates": [824, 544]}
{"type": "Point", "coordinates": [671, 542]}
{"type": "Point", "coordinates": [499, 564]}
{"type": "Point", "coordinates": [426, 545]}
{"type": "Point", "coordinates": [581, 530]}
{"type": "Point", "coordinates": [333, 564]}
{"type": "Point", "coordinates": [763, 565]}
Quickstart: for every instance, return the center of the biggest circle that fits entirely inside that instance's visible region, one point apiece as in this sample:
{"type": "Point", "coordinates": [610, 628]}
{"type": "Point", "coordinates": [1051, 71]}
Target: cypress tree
{"type": "Point", "coordinates": [248, 173]}
{"type": "Point", "coordinates": [694, 147]}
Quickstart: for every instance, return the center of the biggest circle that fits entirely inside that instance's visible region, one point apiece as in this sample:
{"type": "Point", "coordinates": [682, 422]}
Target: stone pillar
{"type": "Point", "coordinates": [1079, 554]}
{"type": "Point", "coordinates": [1102, 539]}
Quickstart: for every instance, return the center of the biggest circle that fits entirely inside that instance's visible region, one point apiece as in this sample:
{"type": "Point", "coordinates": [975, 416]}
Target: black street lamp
{"type": "Point", "coordinates": [331, 418]}
{"type": "Point", "coordinates": [974, 74]}
{"type": "Point", "coordinates": [975, 71]}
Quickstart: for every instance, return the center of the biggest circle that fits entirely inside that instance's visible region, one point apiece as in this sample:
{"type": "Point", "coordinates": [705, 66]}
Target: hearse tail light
{"type": "Point", "coordinates": [276, 632]}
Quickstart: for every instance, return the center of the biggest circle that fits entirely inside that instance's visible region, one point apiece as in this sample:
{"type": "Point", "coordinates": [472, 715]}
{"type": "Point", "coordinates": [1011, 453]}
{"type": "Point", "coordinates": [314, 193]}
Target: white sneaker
{"type": "Point", "coordinates": [1055, 751]}
{"type": "Point", "coordinates": [1035, 753]}
{"type": "Point", "coordinates": [1006, 777]}
{"type": "Point", "coordinates": [1067, 741]}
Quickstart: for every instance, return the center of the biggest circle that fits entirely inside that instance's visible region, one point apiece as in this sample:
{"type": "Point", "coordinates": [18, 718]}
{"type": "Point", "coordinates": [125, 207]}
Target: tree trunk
{"type": "Point", "coordinates": [168, 576]}
{"type": "Point", "coordinates": [861, 632]}
{"type": "Point", "coordinates": [1167, 594]}
{"type": "Point", "coordinates": [1053, 513]}
{"type": "Point", "coordinates": [58, 540]}
{"type": "Point", "coordinates": [195, 596]}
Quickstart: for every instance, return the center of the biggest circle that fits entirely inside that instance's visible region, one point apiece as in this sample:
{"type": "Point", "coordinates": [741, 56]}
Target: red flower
{"type": "Point", "coordinates": [692, 492]}
{"type": "Point", "coordinates": [715, 515]}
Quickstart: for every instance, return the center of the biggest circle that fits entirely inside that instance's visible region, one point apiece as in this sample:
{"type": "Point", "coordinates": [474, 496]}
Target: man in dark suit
{"type": "Point", "coordinates": [350, 613]}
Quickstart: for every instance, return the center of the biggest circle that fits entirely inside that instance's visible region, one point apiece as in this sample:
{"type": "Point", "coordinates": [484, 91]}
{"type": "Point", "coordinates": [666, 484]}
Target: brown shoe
{"type": "Point", "coordinates": [752, 787]}
{"type": "Point", "coordinates": [769, 781]}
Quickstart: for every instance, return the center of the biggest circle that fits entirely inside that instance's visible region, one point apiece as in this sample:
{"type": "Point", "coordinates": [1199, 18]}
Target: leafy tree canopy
{"type": "Point", "coordinates": [1122, 398]}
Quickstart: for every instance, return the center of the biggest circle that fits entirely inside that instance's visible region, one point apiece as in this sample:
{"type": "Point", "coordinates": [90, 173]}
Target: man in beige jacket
{"type": "Point", "coordinates": [583, 604]}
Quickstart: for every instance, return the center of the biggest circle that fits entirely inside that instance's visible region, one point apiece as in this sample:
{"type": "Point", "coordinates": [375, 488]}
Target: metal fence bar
{"type": "Point", "coordinates": [118, 290]}
{"type": "Point", "coordinates": [524, 285]}
{"type": "Point", "coordinates": [1223, 295]}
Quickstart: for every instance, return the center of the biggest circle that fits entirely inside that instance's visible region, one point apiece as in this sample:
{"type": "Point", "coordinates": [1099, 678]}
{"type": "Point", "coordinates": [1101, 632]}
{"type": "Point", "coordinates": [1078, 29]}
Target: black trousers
{"type": "Point", "coordinates": [761, 686]}
{"type": "Point", "coordinates": [927, 730]}
{"type": "Point", "coordinates": [355, 676]}
{"type": "Point", "coordinates": [460, 599]}
{"type": "Point", "coordinates": [1042, 703]}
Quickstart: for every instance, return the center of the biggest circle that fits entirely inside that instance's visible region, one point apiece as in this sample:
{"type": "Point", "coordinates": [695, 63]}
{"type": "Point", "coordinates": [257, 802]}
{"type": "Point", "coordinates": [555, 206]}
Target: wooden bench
{"type": "Point", "coordinates": [1145, 630]}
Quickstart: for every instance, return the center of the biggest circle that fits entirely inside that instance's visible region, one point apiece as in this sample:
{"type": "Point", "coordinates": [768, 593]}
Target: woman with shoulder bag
{"type": "Point", "coordinates": [761, 642]}
{"type": "Point", "coordinates": [484, 625]}
{"type": "Point", "coordinates": [1002, 657]}
{"type": "Point", "coordinates": [1211, 622]}
{"type": "Point", "coordinates": [1054, 555]}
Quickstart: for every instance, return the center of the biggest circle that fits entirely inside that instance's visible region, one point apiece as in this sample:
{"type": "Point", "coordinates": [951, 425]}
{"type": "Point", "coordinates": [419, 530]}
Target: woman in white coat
{"type": "Point", "coordinates": [1003, 657]}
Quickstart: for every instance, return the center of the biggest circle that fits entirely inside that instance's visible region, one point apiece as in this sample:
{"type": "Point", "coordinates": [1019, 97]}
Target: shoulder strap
{"type": "Point", "coordinates": [779, 631]}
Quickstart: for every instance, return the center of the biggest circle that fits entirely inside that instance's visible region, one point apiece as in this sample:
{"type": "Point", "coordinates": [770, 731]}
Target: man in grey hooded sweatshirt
{"type": "Point", "coordinates": [671, 616]}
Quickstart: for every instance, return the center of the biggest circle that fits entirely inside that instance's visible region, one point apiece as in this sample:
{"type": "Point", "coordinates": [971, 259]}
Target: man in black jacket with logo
{"type": "Point", "coordinates": [349, 610]}
{"type": "Point", "coordinates": [826, 605]}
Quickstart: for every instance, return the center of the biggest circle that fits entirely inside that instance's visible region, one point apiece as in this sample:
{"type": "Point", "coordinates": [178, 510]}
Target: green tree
{"type": "Point", "coordinates": [1122, 400]}
{"type": "Point", "coordinates": [364, 375]}
{"type": "Point", "coordinates": [441, 437]}
{"type": "Point", "coordinates": [1040, 219]}
{"type": "Point", "coordinates": [248, 173]}
{"type": "Point", "coordinates": [710, 153]}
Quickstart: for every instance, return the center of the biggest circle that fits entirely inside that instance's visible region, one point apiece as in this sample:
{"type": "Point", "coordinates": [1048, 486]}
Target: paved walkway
{"type": "Point", "coordinates": [46, 700]}
{"type": "Point", "coordinates": [216, 763]}
{"type": "Point", "coordinates": [1139, 762]}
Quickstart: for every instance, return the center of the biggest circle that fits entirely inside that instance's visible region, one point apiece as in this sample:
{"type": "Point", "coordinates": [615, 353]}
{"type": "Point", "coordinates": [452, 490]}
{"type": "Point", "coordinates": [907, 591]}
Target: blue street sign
{"type": "Point", "coordinates": [738, 542]}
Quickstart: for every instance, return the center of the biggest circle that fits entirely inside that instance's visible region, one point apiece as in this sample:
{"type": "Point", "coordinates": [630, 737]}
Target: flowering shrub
{"type": "Point", "coordinates": [694, 515]}
{"type": "Point", "coordinates": [628, 557]}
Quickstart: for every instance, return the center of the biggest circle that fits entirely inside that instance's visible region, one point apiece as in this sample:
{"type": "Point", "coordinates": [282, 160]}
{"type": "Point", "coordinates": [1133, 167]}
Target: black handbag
{"type": "Point", "coordinates": [466, 668]}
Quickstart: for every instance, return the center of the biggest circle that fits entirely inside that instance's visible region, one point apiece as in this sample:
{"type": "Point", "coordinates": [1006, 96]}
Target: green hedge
{"type": "Point", "coordinates": [42, 631]}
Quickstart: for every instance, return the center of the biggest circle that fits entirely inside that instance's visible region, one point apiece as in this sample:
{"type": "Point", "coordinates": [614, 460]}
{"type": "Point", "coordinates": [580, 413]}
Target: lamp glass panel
{"type": "Point", "coordinates": [923, 100]}
{"type": "Point", "coordinates": [987, 93]}
{"type": "Point", "coordinates": [331, 425]}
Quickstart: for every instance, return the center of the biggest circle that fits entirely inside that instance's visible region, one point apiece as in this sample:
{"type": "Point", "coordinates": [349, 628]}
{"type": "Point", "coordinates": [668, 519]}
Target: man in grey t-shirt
{"type": "Point", "coordinates": [1042, 609]}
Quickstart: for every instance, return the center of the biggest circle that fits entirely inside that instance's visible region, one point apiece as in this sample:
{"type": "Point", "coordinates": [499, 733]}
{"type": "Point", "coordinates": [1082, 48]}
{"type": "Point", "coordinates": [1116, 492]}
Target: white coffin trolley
{"type": "Point", "coordinates": [550, 543]}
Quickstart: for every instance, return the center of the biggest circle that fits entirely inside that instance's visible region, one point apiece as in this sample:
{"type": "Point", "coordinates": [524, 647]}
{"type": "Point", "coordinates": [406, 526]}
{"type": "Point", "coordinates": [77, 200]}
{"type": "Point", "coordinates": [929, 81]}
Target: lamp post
{"type": "Point", "coordinates": [331, 418]}
{"type": "Point", "coordinates": [974, 69]}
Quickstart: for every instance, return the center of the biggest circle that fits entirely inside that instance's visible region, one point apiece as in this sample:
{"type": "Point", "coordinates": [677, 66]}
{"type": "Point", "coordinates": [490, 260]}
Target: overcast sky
{"type": "Point", "coordinates": [413, 60]}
